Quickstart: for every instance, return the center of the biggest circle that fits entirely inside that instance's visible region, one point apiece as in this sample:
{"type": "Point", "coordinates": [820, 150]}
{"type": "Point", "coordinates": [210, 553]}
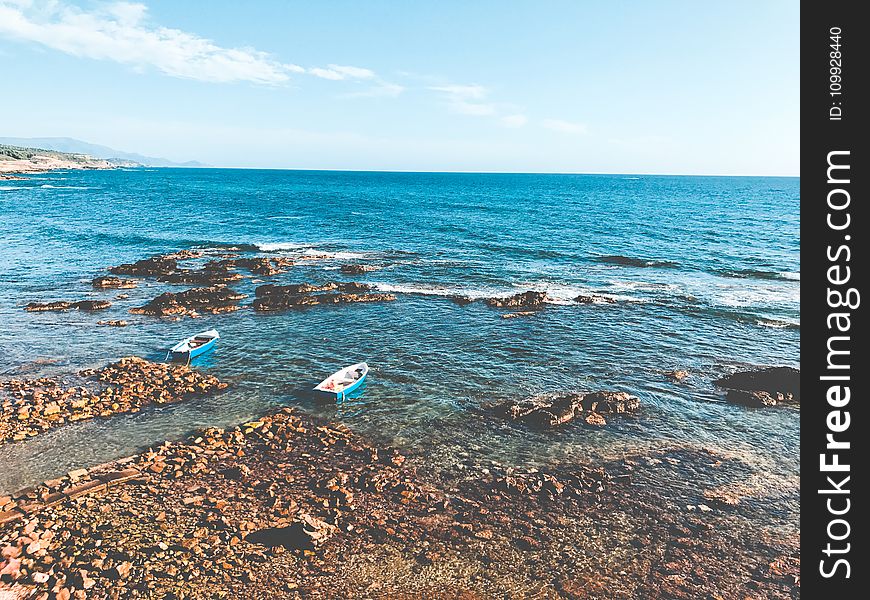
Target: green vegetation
{"type": "Point", "coordinates": [19, 153]}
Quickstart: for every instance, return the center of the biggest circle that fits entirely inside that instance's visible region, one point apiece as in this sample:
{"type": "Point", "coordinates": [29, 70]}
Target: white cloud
{"type": "Point", "coordinates": [341, 72]}
{"type": "Point", "coordinates": [514, 121]}
{"type": "Point", "coordinates": [466, 99]}
{"type": "Point", "coordinates": [565, 126]}
{"type": "Point", "coordinates": [383, 89]}
{"type": "Point", "coordinates": [120, 32]}
{"type": "Point", "coordinates": [462, 92]}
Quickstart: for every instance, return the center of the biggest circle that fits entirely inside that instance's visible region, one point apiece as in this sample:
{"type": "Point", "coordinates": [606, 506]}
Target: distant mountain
{"type": "Point", "coordinates": [73, 146]}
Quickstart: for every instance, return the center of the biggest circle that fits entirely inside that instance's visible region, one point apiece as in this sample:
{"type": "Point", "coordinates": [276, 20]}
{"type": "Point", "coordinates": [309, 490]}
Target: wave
{"type": "Point", "coordinates": [778, 324]}
{"type": "Point", "coordinates": [558, 294]}
{"type": "Point", "coordinates": [760, 274]}
{"type": "Point", "coordinates": [66, 187]}
{"type": "Point", "coordinates": [9, 188]}
{"type": "Point", "coordinates": [284, 218]}
{"type": "Point", "coordinates": [630, 261]}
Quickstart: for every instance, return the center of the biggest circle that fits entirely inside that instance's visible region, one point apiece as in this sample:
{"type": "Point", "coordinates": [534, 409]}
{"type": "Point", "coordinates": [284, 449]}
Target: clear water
{"type": "Point", "coordinates": [720, 289]}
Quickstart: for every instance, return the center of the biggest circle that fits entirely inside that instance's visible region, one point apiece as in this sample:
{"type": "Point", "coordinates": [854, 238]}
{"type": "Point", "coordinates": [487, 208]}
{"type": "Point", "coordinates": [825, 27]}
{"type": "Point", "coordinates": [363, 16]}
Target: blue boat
{"type": "Point", "coordinates": [343, 382]}
{"type": "Point", "coordinates": [188, 349]}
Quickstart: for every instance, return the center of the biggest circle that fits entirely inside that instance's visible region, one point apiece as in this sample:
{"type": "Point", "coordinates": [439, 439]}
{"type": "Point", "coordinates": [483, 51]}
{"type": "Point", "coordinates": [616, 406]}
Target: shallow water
{"type": "Point", "coordinates": [706, 271]}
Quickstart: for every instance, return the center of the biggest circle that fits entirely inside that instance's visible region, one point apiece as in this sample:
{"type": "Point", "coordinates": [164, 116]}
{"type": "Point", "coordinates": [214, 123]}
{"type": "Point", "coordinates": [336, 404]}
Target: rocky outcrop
{"type": "Point", "coordinates": [148, 267]}
{"type": "Point", "coordinates": [87, 305]}
{"type": "Point", "coordinates": [113, 283]}
{"type": "Point", "coordinates": [762, 387]}
{"type": "Point", "coordinates": [30, 407]}
{"type": "Point", "coordinates": [214, 299]}
{"type": "Point", "coordinates": [271, 298]}
{"type": "Point", "coordinates": [262, 265]}
{"type": "Point", "coordinates": [552, 410]}
{"type": "Point", "coordinates": [530, 299]}
{"type": "Point", "coordinates": [212, 273]}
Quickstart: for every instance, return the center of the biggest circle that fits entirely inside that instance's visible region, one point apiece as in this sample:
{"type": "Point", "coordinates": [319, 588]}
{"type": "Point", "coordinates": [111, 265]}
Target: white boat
{"type": "Point", "coordinates": [193, 346]}
{"type": "Point", "coordinates": [343, 381]}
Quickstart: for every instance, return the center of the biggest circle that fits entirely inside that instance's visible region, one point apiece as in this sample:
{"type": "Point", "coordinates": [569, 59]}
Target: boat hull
{"type": "Point", "coordinates": [190, 354]}
{"type": "Point", "coordinates": [345, 392]}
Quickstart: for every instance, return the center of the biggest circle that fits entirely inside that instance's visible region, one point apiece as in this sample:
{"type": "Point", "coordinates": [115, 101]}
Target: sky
{"type": "Point", "coordinates": [670, 87]}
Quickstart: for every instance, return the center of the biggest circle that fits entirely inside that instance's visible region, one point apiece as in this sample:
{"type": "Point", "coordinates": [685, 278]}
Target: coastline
{"type": "Point", "coordinates": [296, 505]}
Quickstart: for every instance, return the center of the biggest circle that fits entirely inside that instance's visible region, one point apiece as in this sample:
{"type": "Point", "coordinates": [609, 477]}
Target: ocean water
{"type": "Point", "coordinates": [705, 271]}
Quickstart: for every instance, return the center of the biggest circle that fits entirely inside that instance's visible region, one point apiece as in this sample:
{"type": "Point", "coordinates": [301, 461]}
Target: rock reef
{"type": "Point", "coordinates": [60, 305]}
{"type": "Point", "coordinates": [552, 410]}
{"type": "Point", "coordinates": [213, 299]}
{"type": "Point", "coordinates": [270, 298]}
{"type": "Point", "coordinates": [113, 283]}
{"type": "Point", "coordinates": [530, 299]}
{"type": "Point", "coordinates": [30, 407]}
{"type": "Point", "coordinates": [763, 387]}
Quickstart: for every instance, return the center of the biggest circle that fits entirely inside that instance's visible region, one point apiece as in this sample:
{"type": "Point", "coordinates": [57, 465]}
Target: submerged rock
{"type": "Point", "coordinates": [763, 387]}
{"type": "Point", "coordinates": [552, 410]}
{"type": "Point", "coordinates": [530, 299]}
{"type": "Point", "coordinates": [88, 305]}
{"type": "Point", "coordinates": [214, 299]}
{"type": "Point", "coordinates": [29, 407]}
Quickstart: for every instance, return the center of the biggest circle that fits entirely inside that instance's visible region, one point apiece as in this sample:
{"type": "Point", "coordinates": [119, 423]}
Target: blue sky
{"type": "Point", "coordinates": [552, 86]}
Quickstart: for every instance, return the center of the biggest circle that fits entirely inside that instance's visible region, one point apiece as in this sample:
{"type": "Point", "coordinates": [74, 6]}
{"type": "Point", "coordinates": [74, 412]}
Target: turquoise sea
{"type": "Point", "coordinates": [705, 271]}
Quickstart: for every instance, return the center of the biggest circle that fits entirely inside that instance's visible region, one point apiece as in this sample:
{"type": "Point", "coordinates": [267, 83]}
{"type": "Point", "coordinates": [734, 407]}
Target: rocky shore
{"type": "Point", "coordinates": [287, 506]}
{"type": "Point", "coordinates": [29, 407]}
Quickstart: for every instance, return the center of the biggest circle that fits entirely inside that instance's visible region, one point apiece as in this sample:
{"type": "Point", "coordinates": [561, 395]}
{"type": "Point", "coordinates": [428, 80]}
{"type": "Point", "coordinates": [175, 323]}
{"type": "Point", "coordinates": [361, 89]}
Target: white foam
{"type": "Point", "coordinates": [438, 290]}
{"type": "Point", "coordinates": [791, 275]}
{"type": "Point", "coordinates": [65, 187]}
{"type": "Point", "coordinates": [279, 246]}
{"type": "Point", "coordinates": [558, 294]}
{"type": "Point", "coordinates": [8, 188]}
{"type": "Point", "coordinates": [777, 323]}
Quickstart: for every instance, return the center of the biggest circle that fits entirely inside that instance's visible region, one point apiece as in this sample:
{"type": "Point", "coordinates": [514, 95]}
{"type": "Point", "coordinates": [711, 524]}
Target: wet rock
{"type": "Point", "coordinates": [214, 299]}
{"type": "Point", "coordinates": [763, 387]}
{"type": "Point", "coordinates": [756, 399]}
{"type": "Point", "coordinates": [530, 299]}
{"type": "Point", "coordinates": [594, 299]}
{"type": "Point", "coordinates": [29, 407]}
{"type": "Point", "coordinates": [356, 269]}
{"type": "Point", "coordinates": [552, 410]}
{"type": "Point", "coordinates": [286, 297]}
{"type": "Point", "coordinates": [676, 375]}
{"type": "Point", "coordinates": [148, 267]}
{"type": "Point", "coordinates": [594, 418]}
{"type": "Point", "coordinates": [461, 300]}
{"type": "Point", "coordinates": [263, 266]}
{"type": "Point", "coordinates": [86, 305]}
{"type": "Point", "coordinates": [114, 323]}
{"type": "Point", "coordinates": [212, 273]}
{"type": "Point", "coordinates": [304, 534]}
{"type": "Point", "coordinates": [113, 283]}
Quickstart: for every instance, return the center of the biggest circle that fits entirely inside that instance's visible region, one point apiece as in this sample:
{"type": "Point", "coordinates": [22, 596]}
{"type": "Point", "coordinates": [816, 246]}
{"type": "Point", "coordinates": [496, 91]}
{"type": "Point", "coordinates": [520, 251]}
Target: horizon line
{"type": "Point", "coordinates": [460, 172]}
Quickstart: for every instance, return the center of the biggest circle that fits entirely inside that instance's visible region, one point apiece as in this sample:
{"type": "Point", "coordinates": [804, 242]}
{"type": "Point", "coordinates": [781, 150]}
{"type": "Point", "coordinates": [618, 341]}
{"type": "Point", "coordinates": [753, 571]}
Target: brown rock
{"type": "Point", "coordinates": [528, 299]}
